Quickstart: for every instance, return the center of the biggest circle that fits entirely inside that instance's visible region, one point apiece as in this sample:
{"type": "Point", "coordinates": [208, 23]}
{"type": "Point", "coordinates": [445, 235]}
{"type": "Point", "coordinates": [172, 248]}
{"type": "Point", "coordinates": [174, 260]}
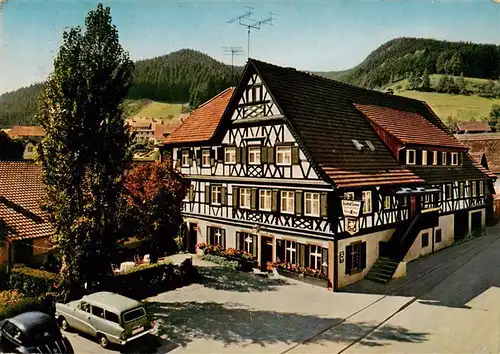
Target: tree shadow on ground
{"type": "Point", "coordinates": [223, 278]}
{"type": "Point", "coordinates": [234, 324]}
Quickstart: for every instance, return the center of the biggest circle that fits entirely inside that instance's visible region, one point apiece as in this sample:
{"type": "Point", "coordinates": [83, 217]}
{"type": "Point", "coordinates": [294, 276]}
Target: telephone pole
{"type": "Point", "coordinates": [232, 51]}
{"type": "Point", "coordinates": [250, 23]}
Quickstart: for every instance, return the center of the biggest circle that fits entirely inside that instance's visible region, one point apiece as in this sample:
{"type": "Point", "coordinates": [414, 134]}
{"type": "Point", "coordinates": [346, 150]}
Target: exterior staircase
{"type": "Point", "coordinates": [382, 270]}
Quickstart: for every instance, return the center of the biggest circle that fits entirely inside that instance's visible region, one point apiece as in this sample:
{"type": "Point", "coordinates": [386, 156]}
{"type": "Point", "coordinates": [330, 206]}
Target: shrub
{"type": "Point", "coordinates": [12, 303]}
{"type": "Point", "coordinates": [223, 261]}
{"type": "Point", "coordinates": [33, 282]}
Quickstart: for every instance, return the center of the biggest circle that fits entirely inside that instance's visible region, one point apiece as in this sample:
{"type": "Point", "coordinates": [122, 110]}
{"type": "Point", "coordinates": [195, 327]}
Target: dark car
{"type": "Point", "coordinates": [32, 332]}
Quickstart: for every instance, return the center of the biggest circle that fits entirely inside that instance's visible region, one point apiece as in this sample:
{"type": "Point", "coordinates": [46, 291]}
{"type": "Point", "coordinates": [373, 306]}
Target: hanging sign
{"type": "Point", "coordinates": [351, 225]}
{"type": "Point", "coordinates": [351, 207]}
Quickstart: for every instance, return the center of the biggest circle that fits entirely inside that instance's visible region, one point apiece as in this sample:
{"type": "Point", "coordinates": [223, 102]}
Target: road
{"type": "Point", "coordinates": [448, 303]}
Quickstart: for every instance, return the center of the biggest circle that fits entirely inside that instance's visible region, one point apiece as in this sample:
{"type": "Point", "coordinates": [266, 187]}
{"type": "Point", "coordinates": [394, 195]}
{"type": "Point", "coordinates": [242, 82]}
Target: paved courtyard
{"type": "Point", "coordinates": [447, 303]}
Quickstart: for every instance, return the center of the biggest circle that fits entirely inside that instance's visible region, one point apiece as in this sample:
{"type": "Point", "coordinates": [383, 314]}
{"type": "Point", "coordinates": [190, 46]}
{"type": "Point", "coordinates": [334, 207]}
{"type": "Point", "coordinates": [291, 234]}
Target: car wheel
{"type": "Point", "coordinates": [63, 324]}
{"type": "Point", "coordinates": [103, 340]}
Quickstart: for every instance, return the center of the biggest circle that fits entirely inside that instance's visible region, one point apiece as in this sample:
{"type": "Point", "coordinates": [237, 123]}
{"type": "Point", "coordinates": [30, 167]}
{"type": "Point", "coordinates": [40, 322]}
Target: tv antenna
{"type": "Point", "coordinates": [250, 23]}
{"type": "Point", "coordinates": [232, 51]}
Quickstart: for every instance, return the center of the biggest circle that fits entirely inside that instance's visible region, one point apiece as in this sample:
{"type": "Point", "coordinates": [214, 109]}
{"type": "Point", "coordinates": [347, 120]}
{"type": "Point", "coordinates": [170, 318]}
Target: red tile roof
{"type": "Point", "coordinates": [408, 127]}
{"type": "Point", "coordinates": [19, 131]}
{"type": "Point", "coordinates": [203, 122]}
{"type": "Point", "coordinates": [21, 191]}
{"type": "Point", "coordinates": [489, 144]}
{"type": "Point", "coordinates": [167, 128]}
{"type": "Point", "coordinates": [476, 126]}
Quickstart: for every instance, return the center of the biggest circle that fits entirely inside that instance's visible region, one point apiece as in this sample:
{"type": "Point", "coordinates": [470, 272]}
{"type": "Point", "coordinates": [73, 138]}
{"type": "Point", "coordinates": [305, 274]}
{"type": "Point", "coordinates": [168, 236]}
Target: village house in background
{"type": "Point", "coordinates": [472, 127]}
{"type": "Point", "coordinates": [297, 168]}
{"type": "Point", "coordinates": [30, 135]}
{"type": "Point", "coordinates": [153, 130]}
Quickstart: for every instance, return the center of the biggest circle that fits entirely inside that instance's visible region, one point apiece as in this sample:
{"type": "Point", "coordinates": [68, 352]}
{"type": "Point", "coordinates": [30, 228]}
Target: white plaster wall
{"type": "Point", "coordinates": [447, 226]}
{"type": "Point", "coordinates": [372, 251]}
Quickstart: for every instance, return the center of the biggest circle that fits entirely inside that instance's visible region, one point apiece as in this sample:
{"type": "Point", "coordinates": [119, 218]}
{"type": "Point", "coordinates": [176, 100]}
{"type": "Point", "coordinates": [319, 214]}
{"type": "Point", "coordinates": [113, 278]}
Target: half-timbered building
{"type": "Point", "coordinates": [301, 169]}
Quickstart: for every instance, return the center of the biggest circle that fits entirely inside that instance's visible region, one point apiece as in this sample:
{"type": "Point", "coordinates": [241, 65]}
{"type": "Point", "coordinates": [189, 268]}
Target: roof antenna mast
{"type": "Point", "coordinates": [232, 51]}
{"type": "Point", "coordinates": [250, 23]}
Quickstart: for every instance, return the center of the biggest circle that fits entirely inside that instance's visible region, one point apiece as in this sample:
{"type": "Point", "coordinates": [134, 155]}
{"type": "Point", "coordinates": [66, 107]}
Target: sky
{"type": "Point", "coordinates": [308, 35]}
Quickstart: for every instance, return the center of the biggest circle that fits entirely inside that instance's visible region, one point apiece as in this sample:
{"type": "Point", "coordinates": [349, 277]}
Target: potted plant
{"type": "Point", "coordinates": [200, 249]}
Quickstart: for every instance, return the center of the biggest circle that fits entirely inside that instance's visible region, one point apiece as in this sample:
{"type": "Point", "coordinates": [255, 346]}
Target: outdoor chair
{"type": "Point", "coordinates": [257, 271]}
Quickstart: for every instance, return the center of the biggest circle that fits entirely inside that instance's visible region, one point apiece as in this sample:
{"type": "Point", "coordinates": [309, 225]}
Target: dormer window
{"type": "Point", "coordinates": [424, 157]}
{"type": "Point", "coordinates": [410, 157]}
{"type": "Point", "coordinates": [370, 145]}
{"type": "Point", "coordinates": [443, 158]}
{"type": "Point", "coordinates": [454, 158]}
{"type": "Point", "coordinates": [357, 144]}
{"type": "Point", "coordinates": [434, 157]}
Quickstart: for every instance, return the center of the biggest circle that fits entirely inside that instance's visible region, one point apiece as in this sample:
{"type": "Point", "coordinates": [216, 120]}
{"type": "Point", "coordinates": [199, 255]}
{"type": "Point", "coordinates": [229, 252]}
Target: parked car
{"type": "Point", "coordinates": [32, 332]}
{"type": "Point", "coordinates": [110, 317]}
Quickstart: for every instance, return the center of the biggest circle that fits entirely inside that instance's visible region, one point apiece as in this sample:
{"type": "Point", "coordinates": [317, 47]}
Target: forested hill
{"type": "Point", "coordinates": [398, 58]}
{"type": "Point", "coordinates": [179, 77]}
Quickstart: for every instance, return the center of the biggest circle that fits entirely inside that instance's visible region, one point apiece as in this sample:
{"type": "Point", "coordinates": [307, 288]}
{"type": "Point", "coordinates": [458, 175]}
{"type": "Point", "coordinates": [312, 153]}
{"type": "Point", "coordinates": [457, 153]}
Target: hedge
{"type": "Point", "coordinates": [12, 303]}
{"type": "Point", "coordinates": [223, 261]}
{"type": "Point", "coordinates": [33, 282]}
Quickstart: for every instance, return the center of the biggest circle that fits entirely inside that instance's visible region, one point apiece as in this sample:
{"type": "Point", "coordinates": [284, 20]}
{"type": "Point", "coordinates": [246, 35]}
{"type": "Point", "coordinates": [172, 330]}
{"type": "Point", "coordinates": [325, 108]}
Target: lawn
{"type": "Point", "coordinates": [460, 107]}
{"type": "Point", "coordinates": [159, 110]}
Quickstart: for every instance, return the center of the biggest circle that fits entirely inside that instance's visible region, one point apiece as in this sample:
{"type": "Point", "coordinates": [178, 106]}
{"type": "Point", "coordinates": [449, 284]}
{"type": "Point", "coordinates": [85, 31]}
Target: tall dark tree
{"type": "Point", "coordinates": [425, 81]}
{"type": "Point", "coordinates": [86, 148]}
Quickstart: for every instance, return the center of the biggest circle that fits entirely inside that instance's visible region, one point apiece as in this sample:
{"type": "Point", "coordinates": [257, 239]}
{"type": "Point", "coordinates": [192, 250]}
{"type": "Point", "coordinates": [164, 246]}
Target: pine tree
{"type": "Point", "coordinates": [84, 153]}
{"type": "Point", "coordinates": [425, 82]}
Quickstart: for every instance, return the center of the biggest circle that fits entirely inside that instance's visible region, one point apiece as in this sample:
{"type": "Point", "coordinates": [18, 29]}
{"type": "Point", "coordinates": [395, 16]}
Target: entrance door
{"type": "Point", "coordinates": [413, 205]}
{"type": "Point", "coordinates": [475, 223]}
{"type": "Point", "coordinates": [191, 238]}
{"type": "Point", "coordinates": [266, 245]}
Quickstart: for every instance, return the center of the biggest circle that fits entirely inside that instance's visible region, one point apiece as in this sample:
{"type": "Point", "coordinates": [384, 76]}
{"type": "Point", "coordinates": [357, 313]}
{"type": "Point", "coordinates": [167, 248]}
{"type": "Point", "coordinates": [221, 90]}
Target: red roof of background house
{"type": "Point", "coordinates": [18, 131]}
{"type": "Point", "coordinates": [166, 128]}
{"type": "Point", "coordinates": [476, 126]}
{"type": "Point", "coordinates": [408, 127]}
{"type": "Point", "coordinates": [21, 191]}
{"type": "Point", "coordinates": [203, 121]}
{"type": "Point", "coordinates": [488, 144]}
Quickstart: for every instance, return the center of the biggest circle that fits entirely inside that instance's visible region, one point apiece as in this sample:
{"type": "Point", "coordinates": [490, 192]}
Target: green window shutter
{"type": "Point", "coordinates": [270, 155]}
{"type": "Point", "coordinates": [298, 203]}
{"type": "Point", "coordinates": [238, 240]}
{"type": "Point", "coordinates": [253, 199]}
{"type": "Point", "coordinates": [263, 154]}
{"type": "Point", "coordinates": [306, 255]}
{"type": "Point", "coordinates": [220, 154]}
{"type": "Point", "coordinates": [348, 259]}
{"type": "Point", "coordinates": [323, 204]}
{"type": "Point", "coordinates": [295, 155]}
{"type": "Point", "coordinates": [235, 197]}
{"type": "Point", "coordinates": [362, 260]}
{"type": "Point", "coordinates": [255, 246]}
{"type": "Point", "coordinates": [224, 195]}
{"type": "Point", "coordinates": [198, 157]}
{"type": "Point", "coordinates": [212, 157]}
{"type": "Point", "coordinates": [191, 193]}
{"type": "Point", "coordinates": [274, 201]}
{"type": "Point", "coordinates": [207, 194]}
{"type": "Point", "coordinates": [223, 238]}
{"type": "Point", "coordinates": [244, 155]}
{"type": "Point", "coordinates": [238, 155]}
{"type": "Point", "coordinates": [302, 255]}
{"type": "Point", "coordinates": [190, 157]}
{"type": "Point", "coordinates": [179, 154]}
{"type": "Point", "coordinates": [324, 259]}
{"type": "Point", "coordinates": [280, 250]}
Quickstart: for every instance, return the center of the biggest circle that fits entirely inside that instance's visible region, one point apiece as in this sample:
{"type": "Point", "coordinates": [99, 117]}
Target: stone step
{"type": "Point", "coordinates": [382, 265]}
{"type": "Point", "coordinates": [382, 270]}
{"type": "Point", "coordinates": [376, 278]}
{"type": "Point", "coordinates": [388, 260]}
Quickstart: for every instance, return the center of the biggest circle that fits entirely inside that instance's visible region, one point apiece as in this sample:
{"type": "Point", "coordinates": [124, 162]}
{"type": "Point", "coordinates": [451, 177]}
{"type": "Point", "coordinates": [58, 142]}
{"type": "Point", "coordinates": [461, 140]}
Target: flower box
{"type": "Point", "coordinates": [304, 278]}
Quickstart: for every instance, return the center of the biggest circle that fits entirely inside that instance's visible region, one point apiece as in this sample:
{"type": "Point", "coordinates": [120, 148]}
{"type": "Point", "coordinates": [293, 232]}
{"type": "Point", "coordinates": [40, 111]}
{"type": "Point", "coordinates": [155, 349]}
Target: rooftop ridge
{"type": "Point", "coordinates": [215, 97]}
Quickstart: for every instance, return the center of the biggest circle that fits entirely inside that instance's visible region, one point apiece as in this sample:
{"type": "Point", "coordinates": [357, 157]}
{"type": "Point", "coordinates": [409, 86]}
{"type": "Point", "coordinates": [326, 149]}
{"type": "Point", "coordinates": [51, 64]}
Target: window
{"type": "Point", "coordinates": [287, 202]}
{"type": "Point", "coordinates": [12, 331]}
{"type": "Point", "coordinates": [367, 202]}
{"type": "Point", "coordinates": [216, 236]}
{"type": "Point", "coordinates": [230, 155]}
{"type": "Point", "coordinates": [134, 314]}
{"type": "Point", "coordinates": [30, 148]}
{"type": "Point", "coordinates": [205, 158]}
{"type": "Point", "coordinates": [84, 306]}
{"type": "Point", "coordinates": [355, 257]}
{"type": "Point", "coordinates": [424, 157]}
{"type": "Point", "coordinates": [254, 155]}
{"type": "Point", "coordinates": [387, 202]}
{"type": "Point", "coordinates": [481, 188]}
{"type": "Point", "coordinates": [438, 235]}
{"type": "Point", "coordinates": [425, 240]}
{"type": "Point", "coordinates": [454, 158]}
{"type": "Point", "coordinates": [185, 157]}
{"type": "Point", "coordinates": [434, 157]}
{"type": "Point", "coordinates": [449, 191]}
{"type": "Point", "coordinates": [216, 194]}
{"type": "Point", "coordinates": [315, 257]}
{"type": "Point", "coordinates": [311, 204]}
{"type": "Point", "coordinates": [349, 195]}
{"type": "Point", "coordinates": [110, 316]}
{"type": "Point", "coordinates": [97, 311]}
{"type": "Point", "coordinates": [443, 158]}
{"type": "Point", "coordinates": [410, 157]}
{"type": "Point", "coordinates": [265, 199]}
{"type": "Point", "coordinates": [403, 201]}
{"type": "Point", "coordinates": [291, 252]}
{"type": "Point", "coordinates": [474, 191]}
{"type": "Point", "coordinates": [283, 155]}
{"type": "Point", "coordinates": [245, 198]}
